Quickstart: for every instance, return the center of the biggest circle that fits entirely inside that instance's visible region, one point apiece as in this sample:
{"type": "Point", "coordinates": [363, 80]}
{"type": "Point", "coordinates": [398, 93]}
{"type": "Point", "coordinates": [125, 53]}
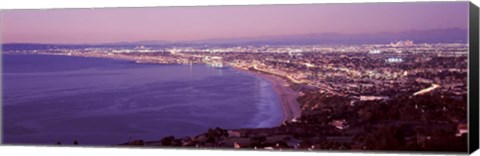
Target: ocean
{"type": "Point", "coordinates": [98, 101]}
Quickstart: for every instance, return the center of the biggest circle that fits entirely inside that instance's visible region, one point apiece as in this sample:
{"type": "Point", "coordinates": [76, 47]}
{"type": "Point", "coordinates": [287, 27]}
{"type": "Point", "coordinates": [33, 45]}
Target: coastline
{"type": "Point", "coordinates": [288, 97]}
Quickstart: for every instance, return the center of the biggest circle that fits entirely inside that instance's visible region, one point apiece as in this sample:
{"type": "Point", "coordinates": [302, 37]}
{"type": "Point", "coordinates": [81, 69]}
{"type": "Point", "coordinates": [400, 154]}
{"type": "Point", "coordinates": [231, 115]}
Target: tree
{"type": "Point", "coordinates": [167, 141]}
{"type": "Point", "coordinates": [385, 138]}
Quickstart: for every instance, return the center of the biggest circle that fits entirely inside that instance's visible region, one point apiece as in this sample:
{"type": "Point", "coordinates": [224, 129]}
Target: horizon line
{"type": "Point", "coordinates": [234, 38]}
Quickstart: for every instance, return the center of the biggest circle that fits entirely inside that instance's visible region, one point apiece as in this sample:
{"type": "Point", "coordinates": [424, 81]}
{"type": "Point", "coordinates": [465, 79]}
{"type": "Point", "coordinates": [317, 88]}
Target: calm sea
{"type": "Point", "coordinates": [49, 99]}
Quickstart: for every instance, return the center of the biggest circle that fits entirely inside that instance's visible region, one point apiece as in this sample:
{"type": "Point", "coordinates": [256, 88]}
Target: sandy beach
{"type": "Point", "coordinates": [288, 97]}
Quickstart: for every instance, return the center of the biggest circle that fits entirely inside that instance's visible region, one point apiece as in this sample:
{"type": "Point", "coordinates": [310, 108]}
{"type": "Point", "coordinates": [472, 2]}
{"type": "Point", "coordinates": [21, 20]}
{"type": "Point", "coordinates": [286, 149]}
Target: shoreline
{"type": "Point", "coordinates": [287, 97]}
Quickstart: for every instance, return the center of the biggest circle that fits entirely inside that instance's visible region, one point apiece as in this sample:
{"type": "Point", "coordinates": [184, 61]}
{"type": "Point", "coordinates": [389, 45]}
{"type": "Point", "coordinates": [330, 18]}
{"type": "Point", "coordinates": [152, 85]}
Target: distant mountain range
{"type": "Point", "coordinates": [449, 35]}
{"type": "Point", "coordinates": [456, 35]}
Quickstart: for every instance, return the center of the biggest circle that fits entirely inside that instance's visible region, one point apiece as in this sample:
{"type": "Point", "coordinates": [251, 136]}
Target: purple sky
{"type": "Point", "coordinates": [194, 23]}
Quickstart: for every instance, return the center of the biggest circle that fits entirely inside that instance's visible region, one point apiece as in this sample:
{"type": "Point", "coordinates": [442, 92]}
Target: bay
{"type": "Point", "coordinates": [98, 101]}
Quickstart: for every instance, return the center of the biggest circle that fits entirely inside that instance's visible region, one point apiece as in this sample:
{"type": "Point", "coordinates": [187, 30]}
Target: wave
{"type": "Point", "coordinates": [269, 112]}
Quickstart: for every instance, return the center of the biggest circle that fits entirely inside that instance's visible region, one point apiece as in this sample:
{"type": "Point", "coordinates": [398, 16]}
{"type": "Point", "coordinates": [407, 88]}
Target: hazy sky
{"type": "Point", "coordinates": [194, 23]}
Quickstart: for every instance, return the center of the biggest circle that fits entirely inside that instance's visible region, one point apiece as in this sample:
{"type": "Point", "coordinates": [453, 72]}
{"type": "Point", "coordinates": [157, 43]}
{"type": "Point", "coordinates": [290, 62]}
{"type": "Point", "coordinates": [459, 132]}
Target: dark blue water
{"type": "Point", "coordinates": [103, 101]}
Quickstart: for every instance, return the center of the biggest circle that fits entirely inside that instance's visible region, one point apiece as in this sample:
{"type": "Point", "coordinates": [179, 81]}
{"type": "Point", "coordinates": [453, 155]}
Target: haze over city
{"type": "Point", "coordinates": [108, 25]}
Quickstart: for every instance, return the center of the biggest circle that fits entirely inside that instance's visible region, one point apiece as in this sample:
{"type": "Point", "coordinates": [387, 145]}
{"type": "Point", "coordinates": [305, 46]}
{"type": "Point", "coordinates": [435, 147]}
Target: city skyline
{"type": "Point", "coordinates": [109, 25]}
